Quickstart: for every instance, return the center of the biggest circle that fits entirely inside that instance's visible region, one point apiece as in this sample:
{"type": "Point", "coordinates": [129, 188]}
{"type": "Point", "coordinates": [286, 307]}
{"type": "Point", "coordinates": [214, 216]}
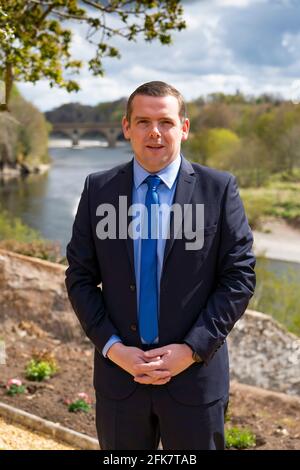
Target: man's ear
{"type": "Point", "coordinates": [126, 128]}
{"type": "Point", "coordinates": [185, 129]}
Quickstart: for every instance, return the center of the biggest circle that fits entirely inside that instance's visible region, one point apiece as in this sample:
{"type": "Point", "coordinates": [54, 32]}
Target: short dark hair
{"type": "Point", "coordinates": [156, 88]}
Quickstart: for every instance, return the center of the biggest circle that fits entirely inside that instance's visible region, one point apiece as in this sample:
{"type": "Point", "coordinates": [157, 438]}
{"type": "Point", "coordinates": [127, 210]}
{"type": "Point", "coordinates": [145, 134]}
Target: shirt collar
{"type": "Point", "coordinates": [168, 174]}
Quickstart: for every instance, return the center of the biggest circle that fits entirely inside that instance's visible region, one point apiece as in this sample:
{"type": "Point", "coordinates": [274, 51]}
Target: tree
{"type": "Point", "coordinates": [23, 135]}
{"type": "Point", "coordinates": [8, 140]}
{"type": "Point", "coordinates": [216, 114]}
{"type": "Point", "coordinates": [289, 149]}
{"type": "Point", "coordinates": [249, 162]}
{"type": "Point", "coordinates": [210, 146]}
{"type": "Point", "coordinates": [34, 45]}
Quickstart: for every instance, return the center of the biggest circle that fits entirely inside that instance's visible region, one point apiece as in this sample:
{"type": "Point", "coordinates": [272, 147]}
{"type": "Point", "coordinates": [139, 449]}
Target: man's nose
{"type": "Point", "coordinates": [154, 132]}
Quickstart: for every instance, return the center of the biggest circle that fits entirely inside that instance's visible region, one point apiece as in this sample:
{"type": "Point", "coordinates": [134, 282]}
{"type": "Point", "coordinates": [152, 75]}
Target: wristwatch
{"type": "Point", "coordinates": [196, 357]}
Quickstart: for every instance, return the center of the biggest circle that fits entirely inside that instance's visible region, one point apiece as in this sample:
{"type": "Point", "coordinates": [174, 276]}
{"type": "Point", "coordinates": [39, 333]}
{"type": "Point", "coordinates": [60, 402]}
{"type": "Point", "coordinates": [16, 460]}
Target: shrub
{"type": "Point", "coordinates": [19, 238]}
{"type": "Point", "coordinates": [14, 229]}
{"type": "Point", "coordinates": [43, 249]}
{"type": "Point", "coordinates": [42, 366]}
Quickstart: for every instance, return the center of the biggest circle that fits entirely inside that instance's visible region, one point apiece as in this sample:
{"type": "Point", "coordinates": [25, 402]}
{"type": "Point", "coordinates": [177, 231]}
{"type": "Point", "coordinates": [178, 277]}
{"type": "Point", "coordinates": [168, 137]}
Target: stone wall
{"type": "Point", "coordinates": [262, 353]}
{"type": "Point", "coordinates": [33, 289]}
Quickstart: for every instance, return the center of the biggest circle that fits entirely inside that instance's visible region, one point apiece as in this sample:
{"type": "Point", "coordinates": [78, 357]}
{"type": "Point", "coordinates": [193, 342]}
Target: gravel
{"type": "Point", "coordinates": [15, 437]}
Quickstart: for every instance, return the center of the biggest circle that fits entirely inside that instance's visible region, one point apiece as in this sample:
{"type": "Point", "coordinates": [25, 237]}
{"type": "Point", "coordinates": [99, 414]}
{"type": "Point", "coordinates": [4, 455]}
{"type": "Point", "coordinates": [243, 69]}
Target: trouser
{"type": "Point", "coordinates": [150, 414]}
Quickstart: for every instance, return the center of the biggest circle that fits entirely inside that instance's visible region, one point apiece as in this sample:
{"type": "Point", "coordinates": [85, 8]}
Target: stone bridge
{"type": "Point", "coordinates": [75, 130]}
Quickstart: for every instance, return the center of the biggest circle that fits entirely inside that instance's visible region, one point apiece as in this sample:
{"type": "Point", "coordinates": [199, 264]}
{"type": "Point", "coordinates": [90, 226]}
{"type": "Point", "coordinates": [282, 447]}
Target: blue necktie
{"type": "Point", "coordinates": [148, 302]}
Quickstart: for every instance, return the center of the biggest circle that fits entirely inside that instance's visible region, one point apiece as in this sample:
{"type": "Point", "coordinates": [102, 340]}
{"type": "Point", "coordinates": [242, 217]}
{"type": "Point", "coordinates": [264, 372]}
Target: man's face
{"type": "Point", "coordinates": [155, 130]}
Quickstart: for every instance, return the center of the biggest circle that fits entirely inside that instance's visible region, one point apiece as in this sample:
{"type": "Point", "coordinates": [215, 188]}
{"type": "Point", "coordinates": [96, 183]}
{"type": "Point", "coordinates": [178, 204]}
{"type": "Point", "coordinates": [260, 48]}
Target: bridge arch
{"type": "Point", "coordinates": [75, 131]}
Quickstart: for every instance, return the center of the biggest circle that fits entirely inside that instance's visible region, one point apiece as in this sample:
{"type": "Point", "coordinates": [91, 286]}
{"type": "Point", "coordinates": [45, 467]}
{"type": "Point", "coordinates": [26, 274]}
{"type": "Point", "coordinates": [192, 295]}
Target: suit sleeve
{"type": "Point", "coordinates": [83, 277]}
{"type": "Point", "coordinates": [235, 281]}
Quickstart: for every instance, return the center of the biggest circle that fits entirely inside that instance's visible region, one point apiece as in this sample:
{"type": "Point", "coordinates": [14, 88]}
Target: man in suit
{"type": "Point", "coordinates": [158, 312]}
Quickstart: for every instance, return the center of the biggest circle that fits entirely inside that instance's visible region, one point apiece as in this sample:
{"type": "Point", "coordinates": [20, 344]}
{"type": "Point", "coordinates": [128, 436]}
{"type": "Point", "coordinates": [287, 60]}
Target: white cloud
{"type": "Point", "coordinates": [291, 42]}
{"type": "Point", "coordinates": [237, 3]}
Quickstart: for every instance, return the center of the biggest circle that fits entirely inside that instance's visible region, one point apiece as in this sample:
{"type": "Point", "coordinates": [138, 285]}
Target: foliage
{"type": "Point", "coordinates": [18, 237]}
{"type": "Point", "coordinates": [210, 145]}
{"type": "Point", "coordinates": [9, 128]}
{"type": "Point", "coordinates": [81, 403]}
{"type": "Point", "coordinates": [32, 138]}
{"type": "Point", "coordinates": [76, 112]}
{"type": "Point", "coordinates": [15, 387]}
{"type": "Point", "coordinates": [287, 176]}
{"type": "Point", "coordinates": [43, 249]}
{"type": "Point", "coordinates": [213, 115]}
{"type": "Point", "coordinates": [277, 294]}
{"type": "Point", "coordinates": [278, 199]}
{"type": "Point", "coordinates": [239, 438]}
{"type": "Point", "coordinates": [40, 47]}
{"type": "Point", "coordinates": [254, 208]}
{"type": "Point", "coordinates": [266, 130]}
{"type": "Point", "coordinates": [38, 370]}
{"type": "Point", "coordinates": [289, 148]}
{"type": "Point", "coordinates": [42, 366]}
{"type": "Point", "coordinates": [14, 229]}
{"type": "Point", "coordinates": [23, 135]}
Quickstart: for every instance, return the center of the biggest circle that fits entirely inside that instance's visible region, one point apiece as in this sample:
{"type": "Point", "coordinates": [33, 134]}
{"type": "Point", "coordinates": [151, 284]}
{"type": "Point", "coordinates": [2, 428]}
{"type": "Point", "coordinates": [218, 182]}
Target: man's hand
{"type": "Point", "coordinates": [132, 359]}
{"type": "Point", "coordinates": [175, 358]}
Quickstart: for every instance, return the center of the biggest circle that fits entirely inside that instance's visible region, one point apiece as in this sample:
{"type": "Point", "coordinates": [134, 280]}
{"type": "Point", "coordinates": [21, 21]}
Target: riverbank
{"type": "Point", "coordinates": [278, 241]}
{"type": "Point", "coordinates": [11, 172]}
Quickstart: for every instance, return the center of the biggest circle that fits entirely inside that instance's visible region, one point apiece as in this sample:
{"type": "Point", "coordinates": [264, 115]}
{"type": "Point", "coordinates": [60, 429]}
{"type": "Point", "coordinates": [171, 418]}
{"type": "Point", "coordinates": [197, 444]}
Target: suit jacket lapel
{"type": "Point", "coordinates": [125, 189]}
{"type": "Point", "coordinates": [184, 190]}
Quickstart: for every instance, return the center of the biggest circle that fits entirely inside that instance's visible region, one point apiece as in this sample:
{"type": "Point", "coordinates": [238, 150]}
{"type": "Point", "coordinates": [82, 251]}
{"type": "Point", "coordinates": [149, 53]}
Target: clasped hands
{"type": "Point", "coordinates": [155, 367]}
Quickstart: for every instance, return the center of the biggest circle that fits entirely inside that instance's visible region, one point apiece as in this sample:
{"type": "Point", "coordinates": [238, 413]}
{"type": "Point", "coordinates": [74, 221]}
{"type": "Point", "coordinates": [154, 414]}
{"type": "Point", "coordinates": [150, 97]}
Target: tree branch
{"type": "Point", "coordinates": [68, 16]}
{"type": "Point", "coordinates": [114, 9]}
{"type": "Point", "coordinates": [46, 12]}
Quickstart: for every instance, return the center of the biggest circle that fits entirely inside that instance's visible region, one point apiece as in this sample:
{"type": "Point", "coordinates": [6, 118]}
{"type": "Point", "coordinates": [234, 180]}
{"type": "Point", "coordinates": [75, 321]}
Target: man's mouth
{"type": "Point", "coordinates": [155, 147]}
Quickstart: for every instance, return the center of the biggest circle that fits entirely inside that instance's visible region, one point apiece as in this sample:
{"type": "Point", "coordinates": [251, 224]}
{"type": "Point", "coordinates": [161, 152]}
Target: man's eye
{"type": "Point", "coordinates": [167, 122]}
{"type": "Point", "coordinates": [142, 121]}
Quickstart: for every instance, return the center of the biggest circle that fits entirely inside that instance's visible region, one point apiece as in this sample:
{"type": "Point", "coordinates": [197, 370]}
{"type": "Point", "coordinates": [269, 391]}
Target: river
{"type": "Point", "coordinates": [48, 202]}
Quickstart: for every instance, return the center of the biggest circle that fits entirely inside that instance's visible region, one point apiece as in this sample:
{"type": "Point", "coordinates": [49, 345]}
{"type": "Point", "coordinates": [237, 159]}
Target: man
{"type": "Point", "coordinates": [160, 318]}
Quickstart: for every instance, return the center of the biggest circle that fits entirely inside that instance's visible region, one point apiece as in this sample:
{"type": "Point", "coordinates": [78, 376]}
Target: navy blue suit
{"type": "Point", "coordinates": [202, 292]}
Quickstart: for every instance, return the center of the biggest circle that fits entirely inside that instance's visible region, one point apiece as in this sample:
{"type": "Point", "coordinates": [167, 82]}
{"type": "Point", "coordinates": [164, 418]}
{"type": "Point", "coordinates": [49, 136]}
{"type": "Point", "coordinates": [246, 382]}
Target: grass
{"type": "Point", "coordinates": [14, 229]}
{"type": "Point", "coordinates": [278, 199]}
{"type": "Point", "coordinates": [239, 438]}
{"type": "Point", "coordinates": [18, 237]}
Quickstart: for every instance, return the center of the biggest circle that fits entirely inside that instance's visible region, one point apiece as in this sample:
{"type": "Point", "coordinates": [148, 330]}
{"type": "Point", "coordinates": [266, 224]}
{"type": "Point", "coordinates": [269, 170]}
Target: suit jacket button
{"type": "Point", "coordinates": [132, 287]}
{"type": "Point", "coordinates": [133, 327]}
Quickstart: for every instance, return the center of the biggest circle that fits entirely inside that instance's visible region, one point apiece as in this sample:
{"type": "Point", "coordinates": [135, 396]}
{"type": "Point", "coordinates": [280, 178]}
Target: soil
{"type": "Point", "coordinates": [273, 418]}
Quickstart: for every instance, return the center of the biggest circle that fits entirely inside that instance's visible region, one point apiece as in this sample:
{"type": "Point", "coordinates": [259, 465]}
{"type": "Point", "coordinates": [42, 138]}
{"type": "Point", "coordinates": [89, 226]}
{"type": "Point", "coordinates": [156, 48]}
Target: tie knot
{"type": "Point", "coordinates": [153, 181]}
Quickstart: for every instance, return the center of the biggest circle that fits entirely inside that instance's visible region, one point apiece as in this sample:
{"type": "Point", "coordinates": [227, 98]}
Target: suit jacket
{"type": "Point", "coordinates": [202, 292]}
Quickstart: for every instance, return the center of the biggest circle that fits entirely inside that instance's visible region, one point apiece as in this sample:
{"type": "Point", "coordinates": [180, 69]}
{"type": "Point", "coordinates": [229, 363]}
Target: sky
{"type": "Point", "coordinates": [247, 45]}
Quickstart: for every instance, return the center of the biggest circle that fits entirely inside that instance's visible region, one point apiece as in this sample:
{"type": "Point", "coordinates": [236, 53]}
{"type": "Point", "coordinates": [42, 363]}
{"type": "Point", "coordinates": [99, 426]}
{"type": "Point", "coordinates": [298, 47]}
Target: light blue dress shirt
{"type": "Point", "coordinates": [166, 192]}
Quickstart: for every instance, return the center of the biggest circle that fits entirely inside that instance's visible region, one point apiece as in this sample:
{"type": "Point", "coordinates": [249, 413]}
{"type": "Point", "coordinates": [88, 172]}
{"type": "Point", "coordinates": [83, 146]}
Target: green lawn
{"type": "Point", "coordinates": [278, 199]}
